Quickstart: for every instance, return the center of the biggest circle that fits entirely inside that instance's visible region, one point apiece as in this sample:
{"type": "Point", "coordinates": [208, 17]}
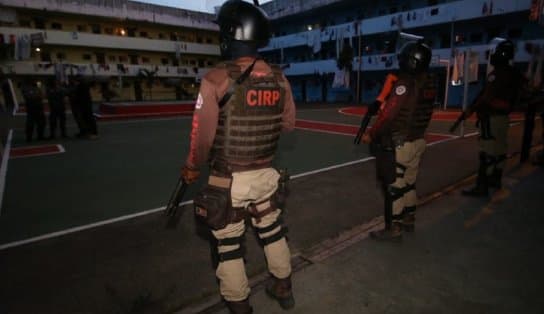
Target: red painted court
{"type": "Point", "coordinates": [351, 130]}
{"type": "Point", "coordinates": [32, 151]}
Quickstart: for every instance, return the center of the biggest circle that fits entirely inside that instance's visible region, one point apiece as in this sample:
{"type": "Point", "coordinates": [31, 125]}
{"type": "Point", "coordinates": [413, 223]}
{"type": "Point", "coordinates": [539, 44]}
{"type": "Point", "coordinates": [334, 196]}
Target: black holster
{"type": "Point", "coordinates": [384, 152]}
{"type": "Point", "coordinates": [213, 204]}
{"type": "Point", "coordinates": [280, 197]}
{"type": "Point", "coordinates": [484, 122]}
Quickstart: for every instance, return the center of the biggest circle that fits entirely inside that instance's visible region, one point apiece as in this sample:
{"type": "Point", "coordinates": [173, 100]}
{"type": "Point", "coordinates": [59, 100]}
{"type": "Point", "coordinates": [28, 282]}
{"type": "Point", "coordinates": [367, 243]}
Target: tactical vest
{"type": "Point", "coordinates": [504, 85]}
{"type": "Point", "coordinates": [415, 113]}
{"type": "Point", "coordinates": [249, 124]}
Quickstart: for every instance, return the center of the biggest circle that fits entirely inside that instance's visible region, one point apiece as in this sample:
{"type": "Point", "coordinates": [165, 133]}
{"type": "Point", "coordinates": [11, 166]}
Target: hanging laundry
{"type": "Point", "coordinates": [81, 69]}
{"type": "Point", "coordinates": [338, 79]}
{"type": "Point", "coordinates": [24, 47]}
{"type": "Point", "coordinates": [532, 51]}
{"type": "Point", "coordinates": [177, 47]}
{"type": "Point", "coordinates": [537, 78]}
{"type": "Point", "coordinates": [317, 43]}
{"type": "Point", "coordinates": [341, 79]}
{"type": "Point", "coordinates": [460, 58]}
{"type": "Point", "coordinates": [16, 49]}
{"type": "Point", "coordinates": [455, 71]}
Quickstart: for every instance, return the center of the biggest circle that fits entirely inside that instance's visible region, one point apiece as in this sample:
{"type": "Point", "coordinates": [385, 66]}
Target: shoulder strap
{"type": "Point", "coordinates": [238, 81]}
{"type": "Point", "coordinates": [278, 73]}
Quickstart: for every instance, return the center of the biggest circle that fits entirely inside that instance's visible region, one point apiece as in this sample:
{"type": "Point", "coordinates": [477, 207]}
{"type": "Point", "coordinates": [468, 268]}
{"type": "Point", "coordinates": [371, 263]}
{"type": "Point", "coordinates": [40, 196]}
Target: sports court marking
{"type": "Point", "coordinates": [83, 227]}
{"type": "Point", "coordinates": [351, 130]}
{"type": "Point", "coordinates": [326, 127]}
{"type": "Point", "coordinates": [437, 115]}
{"type": "Point", "coordinates": [439, 139]}
{"type": "Point", "coordinates": [4, 167]}
{"type": "Point", "coordinates": [34, 151]}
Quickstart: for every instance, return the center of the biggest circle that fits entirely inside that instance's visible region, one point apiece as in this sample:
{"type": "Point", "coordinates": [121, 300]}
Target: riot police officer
{"type": "Point", "coordinates": [242, 107]}
{"type": "Point", "coordinates": [493, 104]}
{"type": "Point", "coordinates": [398, 134]}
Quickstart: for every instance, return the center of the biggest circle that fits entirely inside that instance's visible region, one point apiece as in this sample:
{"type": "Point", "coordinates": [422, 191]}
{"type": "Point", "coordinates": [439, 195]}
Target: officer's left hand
{"type": "Point", "coordinates": [366, 138]}
{"type": "Point", "coordinates": [189, 174]}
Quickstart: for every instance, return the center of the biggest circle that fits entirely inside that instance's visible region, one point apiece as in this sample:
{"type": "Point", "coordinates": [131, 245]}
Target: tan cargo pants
{"type": "Point", "coordinates": [407, 157]}
{"type": "Point", "coordinates": [251, 187]}
{"type": "Point", "coordinates": [496, 147]}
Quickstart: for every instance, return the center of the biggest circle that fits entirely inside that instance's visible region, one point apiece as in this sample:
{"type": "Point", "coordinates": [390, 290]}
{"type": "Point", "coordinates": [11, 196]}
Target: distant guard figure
{"type": "Point", "coordinates": [398, 135]}
{"type": "Point", "coordinates": [242, 107]}
{"type": "Point", "coordinates": [493, 105]}
{"type": "Point", "coordinates": [56, 97]}
{"type": "Point", "coordinates": [35, 117]}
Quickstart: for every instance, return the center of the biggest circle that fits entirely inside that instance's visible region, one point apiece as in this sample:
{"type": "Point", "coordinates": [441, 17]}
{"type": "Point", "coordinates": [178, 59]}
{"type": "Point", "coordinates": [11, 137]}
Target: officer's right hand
{"type": "Point", "coordinates": [367, 139]}
{"type": "Point", "coordinates": [189, 174]}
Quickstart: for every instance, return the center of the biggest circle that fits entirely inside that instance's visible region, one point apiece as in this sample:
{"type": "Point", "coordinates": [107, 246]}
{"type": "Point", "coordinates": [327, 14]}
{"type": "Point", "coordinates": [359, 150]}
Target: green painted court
{"type": "Point", "coordinates": [132, 168]}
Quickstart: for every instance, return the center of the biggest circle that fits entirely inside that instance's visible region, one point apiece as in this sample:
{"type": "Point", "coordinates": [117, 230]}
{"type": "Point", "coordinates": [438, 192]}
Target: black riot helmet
{"type": "Point", "coordinates": [504, 52]}
{"type": "Point", "coordinates": [242, 23]}
{"type": "Point", "coordinates": [414, 57]}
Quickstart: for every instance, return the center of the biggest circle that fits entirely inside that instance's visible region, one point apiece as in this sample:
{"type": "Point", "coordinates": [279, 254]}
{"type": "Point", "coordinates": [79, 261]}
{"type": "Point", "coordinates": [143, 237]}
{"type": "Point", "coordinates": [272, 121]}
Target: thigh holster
{"type": "Point", "coordinates": [271, 238]}
{"type": "Point", "coordinates": [233, 254]}
{"type": "Point", "coordinates": [261, 209]}
{"type": "Point", "coordinates": [395, 193]}
{"type": "Point", "coordinates": [213, 204]}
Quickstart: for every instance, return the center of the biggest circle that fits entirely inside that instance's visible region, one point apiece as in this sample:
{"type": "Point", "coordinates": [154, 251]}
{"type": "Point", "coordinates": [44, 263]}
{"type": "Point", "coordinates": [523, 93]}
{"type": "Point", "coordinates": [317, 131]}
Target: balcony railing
{"type": "Point", "coordinates": [62, 38]}
{"type": "Point", "coordinates": [100, 70]}
{"type": "Point", "coordinates": [433, 15]}
{"type": "Point", "coordinates": [121, 9]}
{"type": "Point", "coordinates": [383, 62]}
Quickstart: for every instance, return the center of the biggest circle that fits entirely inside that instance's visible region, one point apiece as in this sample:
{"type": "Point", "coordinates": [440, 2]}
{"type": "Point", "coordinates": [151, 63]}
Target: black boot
{"type": "Point", "coordinates": [239, 307]}
{"type": "Point", "coordinates": [281, 291]}
{"type": "Point", "coordinates": [393, 228]}
{"type": "Point", "coordinates": [391, 233]}
{"type": "Point", "coordinates": [481, 188]}
{"type": "Point", "coordinates": [409, 219]}
{"type": "Point", "coordinates": [495, 179]}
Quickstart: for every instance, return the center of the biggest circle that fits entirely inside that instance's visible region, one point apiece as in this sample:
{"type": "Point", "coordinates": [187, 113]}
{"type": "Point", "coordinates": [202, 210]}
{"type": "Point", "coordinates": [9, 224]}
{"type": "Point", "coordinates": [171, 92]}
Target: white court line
{"type": "Point", "coordinates": [151, 211]}
{"type": "Point", "coordinates": [341, 111]}
{"type": "Point", "coordinates": [84, 227]}
{"type": "Point", "coordinates": [349, 163]}
{"type": "Point", "coordinates": [4, 167]}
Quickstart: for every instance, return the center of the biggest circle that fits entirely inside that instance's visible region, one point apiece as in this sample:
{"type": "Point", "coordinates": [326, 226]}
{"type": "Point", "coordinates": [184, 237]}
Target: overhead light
{"type": "Point", "coordinates": [123, 32]}
{"type": "Point", "coordinates": [38, 49]}
{"type": "Point", "coordinates": [310, 27]}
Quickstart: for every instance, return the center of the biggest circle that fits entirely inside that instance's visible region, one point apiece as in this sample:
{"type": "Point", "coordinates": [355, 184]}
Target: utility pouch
{"type": "Point", "coordinates": [386, 170]}
{"type": "Point", "coordinates": [213, 203]}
